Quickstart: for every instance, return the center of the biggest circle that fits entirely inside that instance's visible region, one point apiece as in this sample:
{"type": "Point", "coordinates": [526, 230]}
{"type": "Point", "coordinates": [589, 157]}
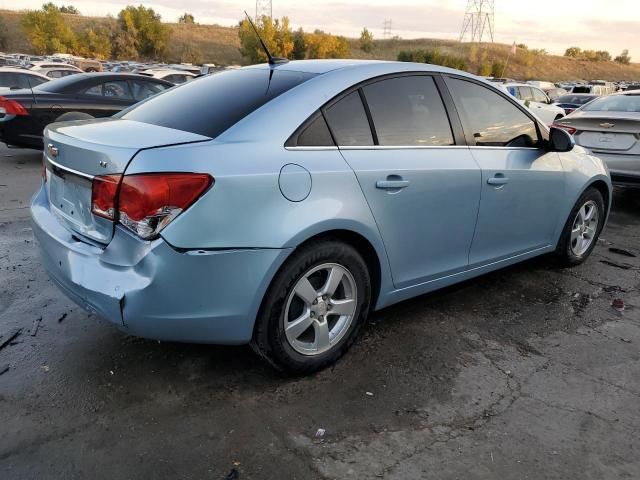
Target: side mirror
{"type": "Point", "coordinates": [560, 140]}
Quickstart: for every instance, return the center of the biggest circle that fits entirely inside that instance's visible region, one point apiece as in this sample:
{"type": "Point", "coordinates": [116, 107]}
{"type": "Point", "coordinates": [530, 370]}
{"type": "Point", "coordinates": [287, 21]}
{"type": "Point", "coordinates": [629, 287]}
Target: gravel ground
{"type": "Point", "coordinates": [524, 373]}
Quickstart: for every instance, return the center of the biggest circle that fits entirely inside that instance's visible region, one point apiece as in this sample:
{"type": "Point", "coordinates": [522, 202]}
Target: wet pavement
{"type": "Point", "coordinates": [528, 372]}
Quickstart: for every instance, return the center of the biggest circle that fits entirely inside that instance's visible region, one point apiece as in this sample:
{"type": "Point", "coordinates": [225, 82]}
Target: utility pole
{"type": "Point", "coordinates": [387, 29]}
{"type": "Point", "coordinates": [479, 20]}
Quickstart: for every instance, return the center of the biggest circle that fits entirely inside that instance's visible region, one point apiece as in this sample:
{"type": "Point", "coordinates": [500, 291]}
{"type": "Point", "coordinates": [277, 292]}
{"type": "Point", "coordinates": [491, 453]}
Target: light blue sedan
{"type": "Point", "coordinates": [279, 205]}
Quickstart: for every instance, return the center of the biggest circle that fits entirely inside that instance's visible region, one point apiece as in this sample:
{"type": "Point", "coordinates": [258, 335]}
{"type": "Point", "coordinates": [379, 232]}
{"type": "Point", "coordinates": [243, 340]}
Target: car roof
{"type": "Point", "coordinates": [325, 66]}
{"type": "Point", "coordinates": [520, 84]}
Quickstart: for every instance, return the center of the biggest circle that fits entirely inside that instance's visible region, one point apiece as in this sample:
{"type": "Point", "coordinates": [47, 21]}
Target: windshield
{"type": "Point", "coordinates": [575, 99]}
{"type": "Point", "coordinates": [615, 103]}
{"type": "Point", "coordinates": [212, 104]}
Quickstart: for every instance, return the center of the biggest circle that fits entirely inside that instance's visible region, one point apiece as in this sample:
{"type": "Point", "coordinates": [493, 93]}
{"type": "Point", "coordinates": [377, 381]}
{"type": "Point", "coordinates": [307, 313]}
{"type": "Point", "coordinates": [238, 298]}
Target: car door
{"type": "Point", "coordinates": [522, 183]}
{"type": "Point", "coordinates": [422, 188]}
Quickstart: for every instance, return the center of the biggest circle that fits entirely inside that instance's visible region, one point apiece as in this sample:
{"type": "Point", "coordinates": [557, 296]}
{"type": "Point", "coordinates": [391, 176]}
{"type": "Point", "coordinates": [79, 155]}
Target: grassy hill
{"type": "Point", "coordinates": [217, 44]}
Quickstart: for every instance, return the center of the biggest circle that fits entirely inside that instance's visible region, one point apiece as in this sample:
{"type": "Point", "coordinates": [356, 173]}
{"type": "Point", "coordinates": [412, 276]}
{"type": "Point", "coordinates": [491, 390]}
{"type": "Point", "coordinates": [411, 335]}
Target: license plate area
{"type": "Point", "coordinates": [607, 140]}
{"type": "Point", "coordinates": [70, 196]}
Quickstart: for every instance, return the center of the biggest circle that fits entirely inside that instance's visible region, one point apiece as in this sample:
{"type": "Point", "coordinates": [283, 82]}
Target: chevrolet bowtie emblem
{"type": "Point", "coordinates": [607, 125]}
{"type": "Point", "coordinates": [53, 151]}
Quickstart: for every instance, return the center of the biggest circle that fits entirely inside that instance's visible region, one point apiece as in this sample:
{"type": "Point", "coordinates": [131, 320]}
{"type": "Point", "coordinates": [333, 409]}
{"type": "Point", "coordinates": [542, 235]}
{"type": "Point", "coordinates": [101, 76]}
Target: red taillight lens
{"type": "Point", "coordinates": [12, 107]}
{"type": "Point", "coordinates": [103, 195]}
{"type": "Point", "coordinates": [149, 202]}
{"type": "Point", "coordinates": [566, 128]}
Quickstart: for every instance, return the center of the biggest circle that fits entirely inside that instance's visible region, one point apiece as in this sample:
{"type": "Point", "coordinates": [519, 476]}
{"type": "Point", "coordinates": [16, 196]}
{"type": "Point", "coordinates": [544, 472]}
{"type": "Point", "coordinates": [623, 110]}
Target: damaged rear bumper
{"type": "Point", "coordinates": [151, 290]}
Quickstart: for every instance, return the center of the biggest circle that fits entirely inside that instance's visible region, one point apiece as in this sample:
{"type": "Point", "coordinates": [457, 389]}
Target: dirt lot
{"type": "Point", "coordinates": [526, 373]}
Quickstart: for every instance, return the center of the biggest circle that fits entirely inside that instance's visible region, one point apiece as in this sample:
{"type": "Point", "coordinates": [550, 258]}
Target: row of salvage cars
{"type": "Point", "coordinates": [607, 125]}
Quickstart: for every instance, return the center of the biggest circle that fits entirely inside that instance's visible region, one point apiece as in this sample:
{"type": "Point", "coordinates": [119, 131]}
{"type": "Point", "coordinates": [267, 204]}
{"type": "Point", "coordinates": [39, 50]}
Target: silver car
{"type": "Point", "coordinates": [610, 128]}
{"type": "Point", "coordinates": [278, 205]}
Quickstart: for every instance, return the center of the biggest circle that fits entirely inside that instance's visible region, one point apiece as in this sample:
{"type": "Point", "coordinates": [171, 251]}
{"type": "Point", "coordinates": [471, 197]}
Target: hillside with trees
{"type": "Point", "coordinates": [138, 33]}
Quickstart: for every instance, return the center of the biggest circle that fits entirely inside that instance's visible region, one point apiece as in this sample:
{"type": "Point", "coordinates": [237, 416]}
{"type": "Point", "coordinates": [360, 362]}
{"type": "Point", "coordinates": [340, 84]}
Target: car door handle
{"type": "Point", "coordinates": [499, 179]}
{"type": "Point", "coordinates": [392, 184]}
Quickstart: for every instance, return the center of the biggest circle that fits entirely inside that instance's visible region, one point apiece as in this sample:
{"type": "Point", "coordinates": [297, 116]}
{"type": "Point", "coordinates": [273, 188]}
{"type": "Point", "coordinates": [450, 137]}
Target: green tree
{"type": "Point", "coordinates": [144, 25]}
{"type": "Point", "coordinates": [95, 41]}
{"type": "Point", "coordinates": [573, 52]}
{"type": "Point", "coordinates": [366, 40]}
{"type": "Point", "coordinates": [47, 31]}
{"type": "Point", "coordinates": [187, 18]}
{"type": "Point", "coordinates": [484, 70]}
{"type": "Point", "coordinates": [623, 58]}
{"type": "Point", "coordinates": [497, 69]}
{"type": "Point", "coordinates": [276, 35]}
{"type": "Point", "coordinates": [70, 10]}
{"type": "Point", "coordinates": [299, 45]}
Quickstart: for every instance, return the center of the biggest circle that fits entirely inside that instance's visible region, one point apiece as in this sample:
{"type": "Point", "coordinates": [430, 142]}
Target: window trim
{"type": "Point", "coordinates": [452, 115]}
{"type": "Point", "coordinates": [543, 132]}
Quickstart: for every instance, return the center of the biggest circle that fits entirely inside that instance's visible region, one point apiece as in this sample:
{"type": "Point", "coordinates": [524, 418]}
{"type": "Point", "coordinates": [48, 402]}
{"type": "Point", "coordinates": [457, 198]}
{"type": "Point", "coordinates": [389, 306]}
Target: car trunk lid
{"type": "Point", "coordinates": [76, 152]}
{"type": "Point", "coordinates": [606, 131]}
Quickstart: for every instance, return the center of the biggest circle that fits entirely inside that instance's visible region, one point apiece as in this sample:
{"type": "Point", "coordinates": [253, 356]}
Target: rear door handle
{"type": "Point", "coordinates": [392, 184]}
{"type": "Point", "coordinates": [498, 179]}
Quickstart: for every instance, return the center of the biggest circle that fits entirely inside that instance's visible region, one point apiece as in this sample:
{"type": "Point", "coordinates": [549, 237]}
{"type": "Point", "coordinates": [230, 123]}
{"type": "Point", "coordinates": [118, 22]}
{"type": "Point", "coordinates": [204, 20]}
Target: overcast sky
{"type": "Point", "coordinates": [552, 24]}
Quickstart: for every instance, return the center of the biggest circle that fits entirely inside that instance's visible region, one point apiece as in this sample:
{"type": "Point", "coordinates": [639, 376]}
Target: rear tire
{"type": "Point", "coordinates": [582, 229]}
{"type": "Point", "coordinates": [314, 308]}
{"type": "Point", "coordinates": [69, 116]}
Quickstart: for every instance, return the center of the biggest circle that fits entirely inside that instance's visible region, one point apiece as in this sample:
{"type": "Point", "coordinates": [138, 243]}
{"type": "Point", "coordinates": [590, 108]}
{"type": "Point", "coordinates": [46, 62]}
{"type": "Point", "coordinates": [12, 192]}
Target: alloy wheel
{"type": "Point", "coordinates": [584, 229]}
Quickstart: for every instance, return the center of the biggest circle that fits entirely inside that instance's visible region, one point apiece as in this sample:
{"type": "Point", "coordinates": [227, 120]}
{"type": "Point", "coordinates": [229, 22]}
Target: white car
{"type": "Point", "coordinates": [11, 77]}
{"type": "Point", "coordinates": [536, 100]}
{"type": "Point", "coordinates": [57, 71]}
{"type": "Point", "coordinates": [174, 76]}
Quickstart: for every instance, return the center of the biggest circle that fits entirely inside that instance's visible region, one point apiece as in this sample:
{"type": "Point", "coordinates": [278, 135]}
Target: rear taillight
{"type": "Point", "coordinates": [104, 190]}
{"type": "Point", "coordinates": [149, 202]}
{"type": "Point", "coordinates": [566, 128]}
{"type": "Point", "coordinates": [12, 107]}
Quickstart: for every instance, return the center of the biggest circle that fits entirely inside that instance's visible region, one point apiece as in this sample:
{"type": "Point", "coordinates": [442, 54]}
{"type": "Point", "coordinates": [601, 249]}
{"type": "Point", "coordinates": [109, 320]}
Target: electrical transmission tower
{"type": "Point", "coordinates": [263, 9]}
{"type": "Point", "coordinates": [386, 33]}
{"type": "Point", "coordinates": [479, 20]}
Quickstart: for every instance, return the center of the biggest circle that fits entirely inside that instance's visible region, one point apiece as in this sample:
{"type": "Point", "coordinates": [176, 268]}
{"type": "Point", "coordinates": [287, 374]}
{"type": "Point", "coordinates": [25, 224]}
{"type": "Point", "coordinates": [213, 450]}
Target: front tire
{"type": "Point", "coordinates": [582, 229]}
{"type": "Point", "coordinates": [314, 308]}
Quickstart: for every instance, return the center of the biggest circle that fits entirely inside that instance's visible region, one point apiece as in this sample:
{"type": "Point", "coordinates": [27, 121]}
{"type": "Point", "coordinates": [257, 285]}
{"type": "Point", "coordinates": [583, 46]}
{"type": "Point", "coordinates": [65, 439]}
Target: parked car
{"type": "Point", "coordinates": [174, 76]}
{"type": "Point", "coordinates": [86, 64]}
{"type": "Point", "coordinates": [15, 78]}
{"type": "Point", "coordinates": [542, 85]}
{"type": "Point", "coordinates": [58, 72]}
{"type": "Point", "coordinates": [633, 86]}
{"type": "Point", "coordinates": [25, 113]}
{"type": "Point", "coordinates": [610, 128]}
{"type": "Point", "coordinates": [554, 93]}
{"type": "Point", "coordinates": [598, 90]}
{"type": "Point", "coordinates": [573, 101]}
{"type": "Point", "coordinates": [269, 205]}
{"type": "Point", "coordinates": [536, 100]}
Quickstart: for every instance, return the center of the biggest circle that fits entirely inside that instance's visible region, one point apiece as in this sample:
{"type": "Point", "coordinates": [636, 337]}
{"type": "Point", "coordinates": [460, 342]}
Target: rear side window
{"type": "Point", "coordinates": [314, 133]}
{"type": "Point", "coordinates": [539, 96]}
{"type": "Point", "coordinates": [348, 121]}
{"type": "Point", "coordinates": [212, 104]}
{"type": "Point", "coordinates": [491, 119]}
{"type": "Point", "coordinates": [408, 111]}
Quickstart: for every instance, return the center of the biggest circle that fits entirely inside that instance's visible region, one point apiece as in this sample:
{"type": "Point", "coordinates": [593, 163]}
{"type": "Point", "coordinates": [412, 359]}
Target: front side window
{"type": "Point", "coordinates": [348, 121]}
{"type": "Point", "coordinates": [117, 89]}
{"type": "Point", "coordinates": [491, 119]}
{"type": "Point", "coordinates": [408, 111]}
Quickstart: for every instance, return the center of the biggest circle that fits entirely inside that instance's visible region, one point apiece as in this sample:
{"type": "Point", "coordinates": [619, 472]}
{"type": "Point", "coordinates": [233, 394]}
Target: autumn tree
{"type": "Point", "coordinates": [95, 41]}
{"type": "Point", "coordinates": [623, 58]}
{"type": "Point", "coordinates": [144, 31]}
{"type": "Point", "coordinates": [366, 40]}
{"type": "Point", "coordinates": [276, 35]}
{"type": "Point", "coordinates": [325, 45]}
{"type": "Point", "coordinates": [47, 31]}
{"type": "Point", "coordinates": [299, 45]}
{"type": "Point", "coordinates": [573, 52]}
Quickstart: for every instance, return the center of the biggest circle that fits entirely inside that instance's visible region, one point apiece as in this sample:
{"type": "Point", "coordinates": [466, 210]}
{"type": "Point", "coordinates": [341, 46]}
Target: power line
{"type": "Point", "coordinates": [387, 29]}
{"type": "Point", "coordinates": [479, 20]}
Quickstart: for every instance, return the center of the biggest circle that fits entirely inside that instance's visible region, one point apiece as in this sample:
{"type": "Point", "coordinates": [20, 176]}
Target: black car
{"type": "Point", "coordinates": [573, 101]}
{"type": "Point", "coordinates": [24, 113]}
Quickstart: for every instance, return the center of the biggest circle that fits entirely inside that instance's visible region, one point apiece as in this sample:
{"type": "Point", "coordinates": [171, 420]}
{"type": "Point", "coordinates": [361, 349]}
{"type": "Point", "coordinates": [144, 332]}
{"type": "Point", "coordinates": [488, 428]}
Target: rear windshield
{"type": "Point", "coordinates": [615, 103]}
{"type": "Point", "coordinates": [585, 89]}
{"type": "Point", "coordinates": [212, 104]}
{"type": "Point", "coordinates": [575, 99]}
